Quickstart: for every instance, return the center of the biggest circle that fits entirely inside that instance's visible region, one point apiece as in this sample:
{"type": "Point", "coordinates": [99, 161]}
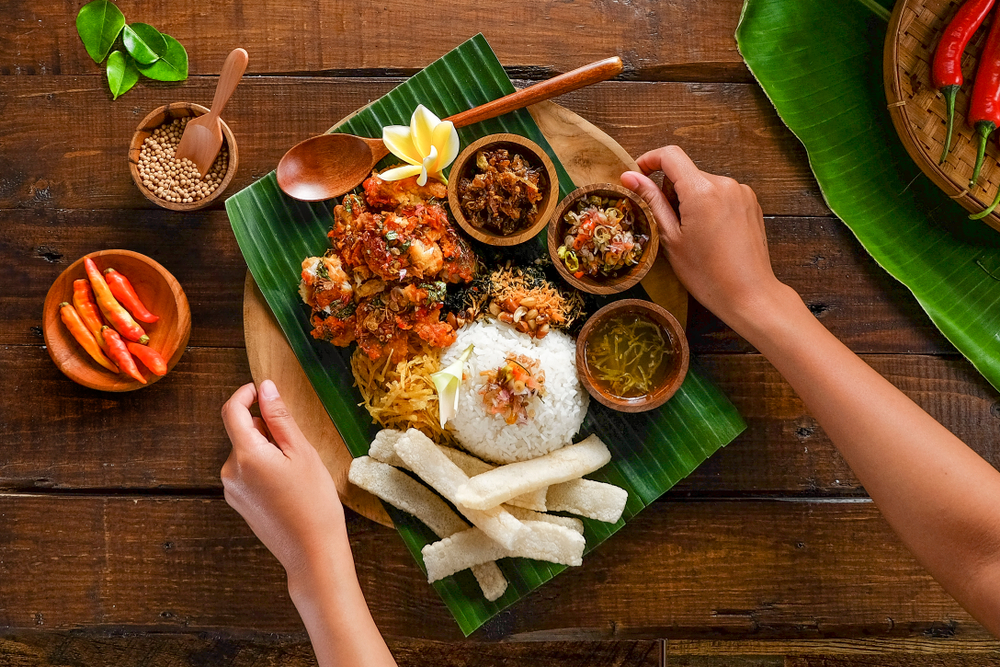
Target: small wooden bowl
{"type": "Point", "coordinates": [465, 163]}
{"type": "Point", "coordinates": [670, 384]}
{"type": "Point", "coordinates": [644, 222]}
{"type": "Point", "coordinates": [166, 114]}
{"type": "Point", "coordinates": [157, 289]}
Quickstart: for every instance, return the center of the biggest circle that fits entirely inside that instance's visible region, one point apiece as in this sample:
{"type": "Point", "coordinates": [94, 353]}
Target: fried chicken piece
{"type": "Point", "coordinates": [459, 262]}
{"type": "Point", "coordinates": [347, 221]}
{"type": "Point", "coordinates": [390, 194]}
{"type": "Point", "coordinates": [325, 284]}
{"type": "Point", "coordinates": [339, 332]}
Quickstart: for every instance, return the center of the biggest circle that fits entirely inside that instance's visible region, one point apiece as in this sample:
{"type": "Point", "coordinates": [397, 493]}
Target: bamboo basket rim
{"type": "Point", "coordinates": [918, 110]}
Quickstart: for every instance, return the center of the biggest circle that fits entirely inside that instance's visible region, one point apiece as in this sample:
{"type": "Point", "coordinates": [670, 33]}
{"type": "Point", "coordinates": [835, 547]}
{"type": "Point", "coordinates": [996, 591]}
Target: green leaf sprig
{"type": "Point", "coordinates": [144, 49]}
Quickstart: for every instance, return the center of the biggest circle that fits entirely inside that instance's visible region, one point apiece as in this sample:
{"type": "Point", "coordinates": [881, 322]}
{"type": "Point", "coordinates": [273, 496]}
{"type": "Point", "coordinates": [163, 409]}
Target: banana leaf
{"type": "Point", "coordinates": [820, 63]}
{"type": "Point", "coordinates": [651, 452]}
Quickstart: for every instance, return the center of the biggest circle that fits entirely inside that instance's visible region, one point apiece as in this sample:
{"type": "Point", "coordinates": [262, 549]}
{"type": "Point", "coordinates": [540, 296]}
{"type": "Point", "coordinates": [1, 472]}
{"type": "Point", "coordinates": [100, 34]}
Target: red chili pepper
{"type": "Point", "coordinates": [83, 301]}
{"type": "Point", "coordinates": [121, 354]}
{"type": "Point", "coordinates": [122, 289]}
{"type": "Point", "coordinates": [946, 68]}
{"type": "Point", "coordinates": [113, 310]}
{"type": "Point", "coordinates": [984, 107]}
{"type": "Point", "coordinates": [75, 324]}
{"type": "Point", "coordinates": [150, 358]}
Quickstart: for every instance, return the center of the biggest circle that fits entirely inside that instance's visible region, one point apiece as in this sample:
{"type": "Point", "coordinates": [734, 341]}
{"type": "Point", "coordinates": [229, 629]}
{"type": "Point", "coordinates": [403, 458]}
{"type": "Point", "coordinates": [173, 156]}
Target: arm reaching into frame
{"type": "Point", "coordinates": [941, 497]}
{"type": "Point", "coordinates": [275, 479]}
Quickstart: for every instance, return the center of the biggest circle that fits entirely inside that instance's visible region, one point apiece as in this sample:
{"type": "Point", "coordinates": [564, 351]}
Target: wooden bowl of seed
{"type": "Point", "coordinates": [173, 184]}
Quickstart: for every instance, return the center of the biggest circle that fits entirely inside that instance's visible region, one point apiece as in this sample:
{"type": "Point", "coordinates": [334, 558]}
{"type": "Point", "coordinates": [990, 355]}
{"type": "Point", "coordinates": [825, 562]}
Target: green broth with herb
{"type": "Point", "coordinates": [629, 355]}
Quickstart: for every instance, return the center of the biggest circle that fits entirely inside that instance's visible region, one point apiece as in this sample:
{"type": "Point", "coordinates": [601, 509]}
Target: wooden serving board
{"type": "Point", "coordinates": [588, 155]}
{"type": "Point", "coordinates": [918, 109]}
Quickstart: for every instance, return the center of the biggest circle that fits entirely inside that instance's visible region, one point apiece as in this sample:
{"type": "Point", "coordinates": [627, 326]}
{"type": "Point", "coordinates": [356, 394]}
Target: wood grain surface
{"type": "Point", "coordinates": [733, 567]}
{"type": "Point", "coordinates": [116, 546]}
{"type": "Point", "coordinates": [720, 124]}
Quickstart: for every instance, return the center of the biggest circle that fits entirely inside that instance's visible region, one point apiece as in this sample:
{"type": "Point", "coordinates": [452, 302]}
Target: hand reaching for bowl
{"type": "Point", "coordinates": [715, 240]}
{"type": "Point", "coordinates": [276, 480]}
{"type": "Point", "coordinates": [937, 493]}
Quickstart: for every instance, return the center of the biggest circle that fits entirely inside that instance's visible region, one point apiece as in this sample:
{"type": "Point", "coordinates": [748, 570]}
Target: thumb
{"type": "Point", "coordinates": [279, 420]}
{"type": "Point", "coordinates": [664, 213]}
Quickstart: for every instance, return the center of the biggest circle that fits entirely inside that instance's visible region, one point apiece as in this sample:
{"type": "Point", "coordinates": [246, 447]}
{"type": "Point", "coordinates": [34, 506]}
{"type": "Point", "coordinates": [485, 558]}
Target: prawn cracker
{"type": "Point", "coordinates": [501, 484]}
{"type": "Point", "coordinates": [429, 463]}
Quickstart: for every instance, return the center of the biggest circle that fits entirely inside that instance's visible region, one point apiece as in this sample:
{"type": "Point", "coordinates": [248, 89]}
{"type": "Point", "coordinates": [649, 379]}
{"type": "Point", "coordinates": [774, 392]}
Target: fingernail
{"type": "Point", "coordinates": [629, 180]}
{"type": "Point", "coordinates": [268, 391]}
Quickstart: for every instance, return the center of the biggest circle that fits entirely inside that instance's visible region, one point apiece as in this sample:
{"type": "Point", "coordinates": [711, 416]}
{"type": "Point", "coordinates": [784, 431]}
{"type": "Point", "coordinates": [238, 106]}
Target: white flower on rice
{"type": "Point", "coordinates": [558, 414]}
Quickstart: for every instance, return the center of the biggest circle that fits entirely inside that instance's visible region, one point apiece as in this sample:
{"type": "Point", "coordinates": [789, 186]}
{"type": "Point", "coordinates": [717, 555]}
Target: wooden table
{"type": "Point", "coordinates": [116, 546]}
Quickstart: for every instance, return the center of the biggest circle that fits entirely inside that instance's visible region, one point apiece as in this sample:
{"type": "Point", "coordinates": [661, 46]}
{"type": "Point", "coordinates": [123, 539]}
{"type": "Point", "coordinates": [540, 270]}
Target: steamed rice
{"type": "Point", "coordinates": [557, 415]}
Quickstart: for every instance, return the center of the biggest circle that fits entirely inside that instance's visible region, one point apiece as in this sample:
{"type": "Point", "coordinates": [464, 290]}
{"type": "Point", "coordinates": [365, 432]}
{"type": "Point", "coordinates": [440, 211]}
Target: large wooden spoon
{"type": "Point", "coordinates": [330, 165]}
{"type": "Point", "coordinates": [202, 136]}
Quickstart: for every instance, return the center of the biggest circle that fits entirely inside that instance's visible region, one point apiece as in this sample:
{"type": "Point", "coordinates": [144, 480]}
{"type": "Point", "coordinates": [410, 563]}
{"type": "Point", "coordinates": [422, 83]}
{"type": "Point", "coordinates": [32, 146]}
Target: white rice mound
{"type": "Point", "coordinates": [558, 414]}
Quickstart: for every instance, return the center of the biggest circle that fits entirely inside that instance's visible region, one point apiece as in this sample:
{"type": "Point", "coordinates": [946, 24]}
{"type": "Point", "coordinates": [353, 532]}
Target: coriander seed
{"type": "Point", "coordinates": [174, 180]}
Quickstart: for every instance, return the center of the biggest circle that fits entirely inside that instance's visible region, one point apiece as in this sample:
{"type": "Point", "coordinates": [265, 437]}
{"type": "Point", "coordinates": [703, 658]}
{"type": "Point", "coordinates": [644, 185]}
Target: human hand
{"type": "Point", "coordinates": [276, 480]}
{"type": "Point", "coordinates": [715, 241]}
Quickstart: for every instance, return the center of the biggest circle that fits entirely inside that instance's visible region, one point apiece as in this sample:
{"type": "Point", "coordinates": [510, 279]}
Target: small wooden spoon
{"type": "Point", "coordinates": [202, 137]}
{"type": "Point", "coordinates": [329, 165]}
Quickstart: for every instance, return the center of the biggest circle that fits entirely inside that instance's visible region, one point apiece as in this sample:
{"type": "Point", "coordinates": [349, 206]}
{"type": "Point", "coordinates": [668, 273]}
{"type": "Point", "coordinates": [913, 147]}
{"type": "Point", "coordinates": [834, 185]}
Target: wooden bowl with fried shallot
{"type": "Point", "coordinates": [478, 195]}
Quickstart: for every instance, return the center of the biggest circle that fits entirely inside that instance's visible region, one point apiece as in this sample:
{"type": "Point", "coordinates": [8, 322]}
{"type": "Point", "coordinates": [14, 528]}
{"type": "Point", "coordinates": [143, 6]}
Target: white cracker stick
{"type": "Point", "coordinates": [491, 580]}
{"type": "Point", "coordinates": [424, 458]}
{"type": "Point", "coordinates": [383, 447]}
{"type": "Point", "coordinates": [405, 493]}
{"type": "Point", "coordinates": [528, 515]}
{"type": "Point", "coordinates": [540, 541]}
{"type": "Point", "coordinates": [471, 466]}
{"type": "Point", "coordinates": [460, 552]}
{"type": "Point", "coordinates": [585, 497]}
{"type": "Point", "coordinates": [501, 484]}
{"type": "Point", "coordinates": [550, 542]}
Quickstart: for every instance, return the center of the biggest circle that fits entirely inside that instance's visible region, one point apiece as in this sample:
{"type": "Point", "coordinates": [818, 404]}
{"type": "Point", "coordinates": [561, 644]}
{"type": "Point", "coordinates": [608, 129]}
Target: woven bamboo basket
{"type": "Point", "coordinates": [918, 109]}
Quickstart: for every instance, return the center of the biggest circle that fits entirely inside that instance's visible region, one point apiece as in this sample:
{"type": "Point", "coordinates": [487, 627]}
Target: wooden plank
{"type": "Point", "coordinates": [42, 648]}
{"type": "Point", "coordinates": [720, 124]}
{"type": "Point", "coordinates": [170, 434]}
{"type": "Point", "coordinates": [819, 257]}
{"type": "Point", "coordinates": [52, 649]}
{"type": "Point", "coordinates": [782, 434]}
{"type": "Point", "coordinates": [679, 39]}
{"type": "Point", "coordinates": [197, 248]}
{"type": "Point", "coordinates": [865, 307]}
{"type": "Point", "coordinates": [57, 434]}
{"type": "Point", "coordinates": [681, 569]}
{"type": "Point", "coordinates": [931, 646]}
{"type": "Point", "coordinates": [944, 651]}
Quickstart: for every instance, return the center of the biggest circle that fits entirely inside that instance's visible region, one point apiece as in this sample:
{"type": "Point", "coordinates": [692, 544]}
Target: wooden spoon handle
{"type": "Point", "coordinates": [557, 85]}
{"type": "Point", "coordinates": [232, 72]}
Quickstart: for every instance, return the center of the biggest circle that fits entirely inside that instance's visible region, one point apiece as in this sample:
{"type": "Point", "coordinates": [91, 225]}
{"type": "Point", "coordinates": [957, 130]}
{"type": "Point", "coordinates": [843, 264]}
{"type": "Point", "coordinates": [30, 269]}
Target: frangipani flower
{"type": "Point", "coordinates": [447, 382]}
{"type": "Point", "coordinates": [428, 145]}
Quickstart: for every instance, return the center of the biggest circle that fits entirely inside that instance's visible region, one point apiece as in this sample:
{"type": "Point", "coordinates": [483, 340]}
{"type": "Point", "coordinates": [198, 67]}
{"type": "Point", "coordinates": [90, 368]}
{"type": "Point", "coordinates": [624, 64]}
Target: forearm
{"type": "Point", "coordinates": [938, 494]}
{"type": "Point", "coordinates": [328, 597]}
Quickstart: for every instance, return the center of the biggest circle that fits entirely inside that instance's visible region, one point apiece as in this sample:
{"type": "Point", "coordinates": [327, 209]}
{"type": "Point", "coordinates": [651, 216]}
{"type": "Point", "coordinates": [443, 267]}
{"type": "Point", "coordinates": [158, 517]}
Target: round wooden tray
{"type": "Point", "coordinates": [587, 154]}
{"type": "Point", "coordinates": [918, 109]}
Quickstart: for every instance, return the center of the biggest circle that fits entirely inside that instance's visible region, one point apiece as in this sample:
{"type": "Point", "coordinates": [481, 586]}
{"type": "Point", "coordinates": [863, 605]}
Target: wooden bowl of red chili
{"type": "Point", "coordinates": [156, 289]}
{"type": "Point", "coordinates": [603, 238]}
{"type": "Point", "coordinates": [503, 189]}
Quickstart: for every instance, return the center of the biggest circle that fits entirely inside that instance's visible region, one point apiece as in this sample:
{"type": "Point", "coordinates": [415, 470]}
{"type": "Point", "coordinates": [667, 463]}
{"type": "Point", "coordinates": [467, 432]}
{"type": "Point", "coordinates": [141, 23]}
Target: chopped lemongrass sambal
{"type": "Point", "coordinates": [601, 238]}
{"type": "Point", "coordinates": [629, 355]}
